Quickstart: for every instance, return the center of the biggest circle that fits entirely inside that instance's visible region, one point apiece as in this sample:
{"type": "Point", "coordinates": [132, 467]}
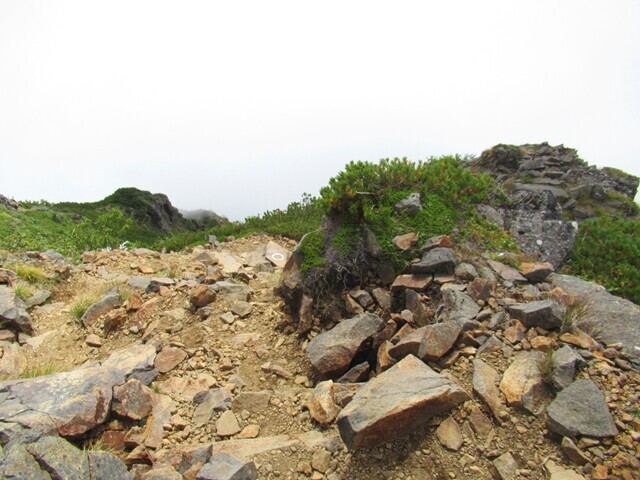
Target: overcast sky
{"type": "Point", "coordinates": [240, 107]}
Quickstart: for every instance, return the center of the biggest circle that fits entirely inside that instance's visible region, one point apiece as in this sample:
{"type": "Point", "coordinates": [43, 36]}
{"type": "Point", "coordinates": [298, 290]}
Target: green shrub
{"type": "Point", "coordinates": [607, 251]}
{"type": "Point", "coordinates": [312, 249]}
{"type": "Point", "coordinates": [30, 273]}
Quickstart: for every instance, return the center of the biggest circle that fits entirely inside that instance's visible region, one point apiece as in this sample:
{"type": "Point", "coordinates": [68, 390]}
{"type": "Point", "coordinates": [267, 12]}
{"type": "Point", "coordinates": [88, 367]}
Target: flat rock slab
{"type": "Point", "coordinates": [169, 358]}
{"type": "Point", "coordinates": [413, 282]}
{"type": "Point", "coordinates": [543, 313]}
{"type": "Point", "coordinates": [224, 466]}
{"type": "Point", "coordinates": [617, 319]}
{"type": "Point", "coordinates": [396, 402]}
{"type": "Point", "coordinates": [331, 352]}
{"type": "Point", "coordinates": [71, 403]}
{"type": "Point", "coordinates": [507, 273]}
{"type": "Point", "coordinates": [449, 434]}
{"type": "Point", "coordinates": [276, 254]}
{"type": "Point", "coordinates": [581, 410]}
{"type": "Point", "coordinates": [484, 384]}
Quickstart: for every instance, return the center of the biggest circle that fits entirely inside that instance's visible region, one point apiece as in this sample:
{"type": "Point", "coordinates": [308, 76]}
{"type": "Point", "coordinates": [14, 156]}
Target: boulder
{"type": "Point", "coordinates": [536, 272]}
{"type": "Point", "coordinates": [233, 291]}
{"type": "Point", "coordinates": [169, 358]}
{"type": "Point", "coordinates": [459, 307]}
{"type": "Point", "coordinates": [581, 410]}
{"type": "Point", "coordinates": [479, 289]}
{"type": "Point", "coordinates": [12, 311]}
{"type": "Point", "coordinates": [331, 352]}
{"type": "Point", "coordinates": [132, 400]}
{"type": "Point", "coordinates": [543, 313]}
{"type": "Point", "coordinates": [395, 402]}
{"type": "Point", "coordinates": [408, 344]}
{"type": "Point", "coordinates": [465, 271]}
{"type": "Point", "coordinates": [276, 254]}
{"type": "Point", "coordinates": [71, 403]}
{"type": "Point", "coordinates": [616, 319]}
{"type": "Point", "coordinates": [437, 260]}
{"type": "Point", "coordinates": [224, 466]}
{"type": "Point", "coordinates": [522, 383]}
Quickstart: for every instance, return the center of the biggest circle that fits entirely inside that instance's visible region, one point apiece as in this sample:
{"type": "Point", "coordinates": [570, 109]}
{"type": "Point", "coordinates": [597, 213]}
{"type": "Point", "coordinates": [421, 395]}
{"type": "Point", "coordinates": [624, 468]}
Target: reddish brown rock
{"type": "Point", "coordinates": [515, 332]}
{"type": "Point", "coordinates": [132, 400]}
{"type": "Point", "coordinates": [201, 295]}
{"type": "Point", "coordinates": [408, 344]}
{"type": "Point", "coordinates": [414, 282]}
{"type": "Point", "coordinates": [479, 289]}
{"type": "Point", "coordinates": [449, 434]}
{"type": "Point", "coordinates": [384, 360]}
{"type": "Point", "coordinates": [506, 272]}
{"type": "Point", "coordinates": [396, 402]}
{"type": "Point", "coordinates": [522, 383]}
{"type": "Point", "coordinates": [406, 241]}
{"type": "Point", "coordinates": [435, 242]}
{"type": "Point", "coordinates": [169, 358]}
{"type": "Point", "coordinates": [536, 272]}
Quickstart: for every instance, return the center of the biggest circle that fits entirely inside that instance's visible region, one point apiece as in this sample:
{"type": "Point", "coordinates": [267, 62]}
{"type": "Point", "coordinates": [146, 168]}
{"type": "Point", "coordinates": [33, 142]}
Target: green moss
{"type": "Point", "coordinates": [488, 235]}
{"type": "Point", "coordinates": [312, 249]}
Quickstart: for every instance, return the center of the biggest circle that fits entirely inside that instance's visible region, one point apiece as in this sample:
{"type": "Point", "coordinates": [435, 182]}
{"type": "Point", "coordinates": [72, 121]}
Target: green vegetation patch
{"type": "Point", "coordinates": [607, 251]}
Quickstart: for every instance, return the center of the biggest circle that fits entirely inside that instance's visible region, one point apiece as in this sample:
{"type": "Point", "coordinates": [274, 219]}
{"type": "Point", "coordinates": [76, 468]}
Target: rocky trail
{"type": "Point", "coordinates": [185, 366]}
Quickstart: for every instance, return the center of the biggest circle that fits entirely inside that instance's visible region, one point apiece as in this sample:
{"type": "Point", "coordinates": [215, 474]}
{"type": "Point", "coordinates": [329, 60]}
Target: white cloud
{"type": "Point", "coordinates": [242, 106]}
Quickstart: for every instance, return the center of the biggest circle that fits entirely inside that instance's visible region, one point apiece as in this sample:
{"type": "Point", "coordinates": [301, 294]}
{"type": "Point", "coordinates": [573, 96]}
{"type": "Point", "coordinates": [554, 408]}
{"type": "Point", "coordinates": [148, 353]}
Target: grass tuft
{"type": "Point", "coordinates": [30, 273]}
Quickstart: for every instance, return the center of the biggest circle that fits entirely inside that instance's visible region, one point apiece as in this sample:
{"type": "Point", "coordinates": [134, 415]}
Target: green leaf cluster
{"type": "Point", "coordinates": [607, 251]}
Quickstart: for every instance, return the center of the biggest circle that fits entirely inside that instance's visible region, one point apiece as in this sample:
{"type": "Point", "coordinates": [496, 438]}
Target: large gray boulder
{"type": "Point", "coordinates": [616, 319]}
{"type": "Point", "coordinates": [331, 352]}
{"type": "Point", "coordinates": [71, 403]}
{"type": "Point", "coordinates": [581, 410]}
{"type": "Point", "coordinates": [396, 402]}
{"type": "Point", "coordinates": [12, 311]}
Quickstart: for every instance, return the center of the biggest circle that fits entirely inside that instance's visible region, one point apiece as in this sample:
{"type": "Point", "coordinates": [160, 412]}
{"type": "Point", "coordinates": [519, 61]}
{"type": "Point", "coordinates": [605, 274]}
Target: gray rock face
{"type": "Point", "coordinates": [438, 260]}
{"type": "Point", "coordinates": [543, 313]}
{"type": "Point", "coordinates": [395, 402]}
{"type": "Point", "coordinates": [438, 339]}
{"type": "Point", "coordinates": [331, 352]}
{"type": "Point", "coordinates": [565, 363]}
{"type": "Point", "coordinates": [233, 291]}
{"type": "Point", "coordinates": [411, 205]}
{"type": "Point", "coordinates": [581, 410]}
{"type": "Point", "coordinates": [223, 466]}
{"type": "Point", "coordinates": [617, 319]}
{"type": "Point", "coordinates": [71, 403]}
{"type": "Point", "coordinates": [12, 311]}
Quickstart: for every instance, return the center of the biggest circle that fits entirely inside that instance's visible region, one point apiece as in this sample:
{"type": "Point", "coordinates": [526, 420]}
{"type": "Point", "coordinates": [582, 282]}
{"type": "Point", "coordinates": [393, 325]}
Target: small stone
{"type": "Point", "coordinates": [406, 241]}
{"type": "Point", "coordinates": [93, 340]}
{"type": "Point", "coordinates": [505, 467]}
{"type": "Point", "coordinates": [227, 424]}
{"type": "Point", "coordinates": [322, 406]}
{"type": "Point", "coordinates": [449, 434]}
{"type": "Point", "coordinates": [169, 358]}
{"type": "Point", "coordinates": [320, 460]}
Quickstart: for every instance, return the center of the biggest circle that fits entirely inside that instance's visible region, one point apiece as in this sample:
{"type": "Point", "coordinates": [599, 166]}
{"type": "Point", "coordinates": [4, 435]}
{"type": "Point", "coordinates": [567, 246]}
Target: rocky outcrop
{"type": "Point", "coordinates": [12, 311]}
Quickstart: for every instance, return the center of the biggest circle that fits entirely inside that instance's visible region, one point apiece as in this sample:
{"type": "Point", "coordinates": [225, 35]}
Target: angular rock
{"type": "Point", "coordinates": [437, 340]}
{"type": "Point", "coordinates": [12, 360]}
{"type": "Point", "coordinates": [107, 303]}
{"type": "Point", "coordinates": [395, 402]}
{"type": "Point", "coordinates": [411, 205]}
{"type": "Point", "coordinates": [414, 282]}
{"type": "Point", "coordinates": [322, 406]}
{"type": "Point", "coordinates": [362, 297]}
{"type": "Point", "coordinates": [565, 365]}
{"type": "Point", "coordinates": [106, 466]}
{"type": "Point", "coordinates": [202, 295]}
{"type": "Point", "coordinates": [543, 313]}
{"type": "Point", "coordinates": [442, 241]}
{"type": "Point", "coordinates": [479, 289]}
{"type": "Point", "coordinates": [484, 384]}
{"type": "Point", "coordinates": [383, 299]}
{"type": "Point", "coordinates": [573, 453]}
{"type": "Point", "coordinates": [229, 263]}
{"type": "Point", "coordinates": [371, 244]}
{"type": "Point", "coordinates": [522, 383]}
{"type": "Point", "coordinates": [224, 466]}
{"type": "Point", "coordinates": [358, 373]}
{"type": "Point", "coordinates": [214, 400]}
{"type": "Point", "coordinates": [384, 360]}
{"type": "Point", "coordinates": [505, 467]}
{"type": "Point", "coordinates": [161, 473]}
{"type": "Point", "coordinates": [536, 272]}
{"type": "Point", "coordinates": [458, 306]}
{"type": "Point", "coordinates": [331, 352]}
{"type": "Point", "coordinates": [71, 403]}
{"type": "Point", "coordinates": [581, 410]}
{"type": "Point", "coordinates": [169, 358]}
{"type": "Point", "coordinates": [556, 472]}
{"type": "Point", "coordinates": [241, 308]}
{"type": "Point", "coordinates": [437, 260]}
{"type": "Point", "coordinates": [233, 291]}
{"type": "Point", "coordinates": [449, 434]}
{"type": "Point", "coordinates": [132, 400]}
{"type": "Point", "coordinates": [507, 273]}
{"type": "Point", "coordinates": [12, 311]}
{"type": "Point", "coordinates": [227, 424]}
{"type": "Point", "coordinates": [406, 241]}
{"type": "Point", "coordinates": [408, 344]}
